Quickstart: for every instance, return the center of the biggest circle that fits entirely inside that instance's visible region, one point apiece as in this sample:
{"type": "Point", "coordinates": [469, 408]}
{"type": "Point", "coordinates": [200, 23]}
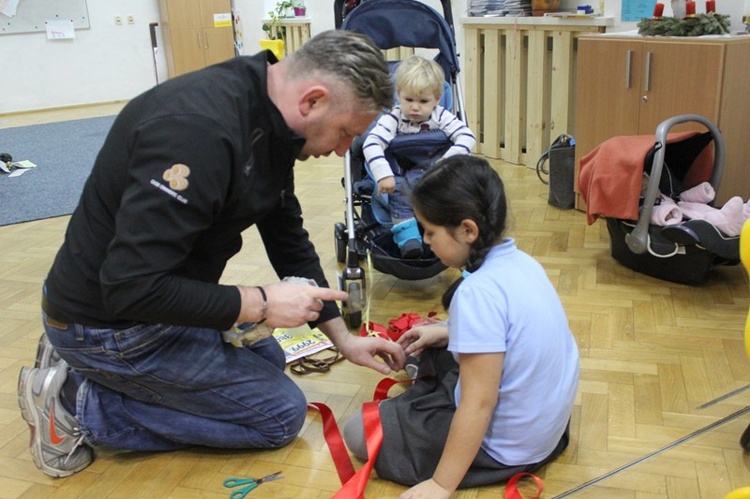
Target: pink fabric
{"type": "Point", "coordinates": [728, 219]}
{"type": "Point", "coordinates": [701, 193]}
{"type": "Point", "coordinates": [666, 212]}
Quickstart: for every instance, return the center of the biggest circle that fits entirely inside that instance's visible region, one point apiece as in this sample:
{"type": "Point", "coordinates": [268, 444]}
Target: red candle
{"type": "Point", "coordinates": [659, 10]}
{"type": "Point", "coordinates": [710, 6]}
{"type": "Point", "coordinates": [690, 9]}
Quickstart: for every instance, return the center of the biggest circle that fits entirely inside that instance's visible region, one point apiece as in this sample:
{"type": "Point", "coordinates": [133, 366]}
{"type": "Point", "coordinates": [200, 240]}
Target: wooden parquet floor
{"type": "Point", "coordinates": [661, 405]}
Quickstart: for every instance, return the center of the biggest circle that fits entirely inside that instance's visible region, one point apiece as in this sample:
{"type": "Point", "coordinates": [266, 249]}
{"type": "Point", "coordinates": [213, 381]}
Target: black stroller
{"type": "Point", "coordinates": [366, 230]}
{"type": "Point", "coordinates": [683, 252]}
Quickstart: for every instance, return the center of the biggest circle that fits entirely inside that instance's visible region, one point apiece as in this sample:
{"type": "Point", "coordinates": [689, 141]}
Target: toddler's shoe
{"type": "Point", "coordinates": [406, 235]}
{"type": "Point", "coordinates": [57, 444]}
{"type": "Point", "coordinates": [412, 249]}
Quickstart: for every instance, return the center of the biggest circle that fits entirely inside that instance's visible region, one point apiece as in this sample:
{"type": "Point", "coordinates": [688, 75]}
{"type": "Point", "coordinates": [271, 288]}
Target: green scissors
{"type": "Point", "coordinates": [245, 485]}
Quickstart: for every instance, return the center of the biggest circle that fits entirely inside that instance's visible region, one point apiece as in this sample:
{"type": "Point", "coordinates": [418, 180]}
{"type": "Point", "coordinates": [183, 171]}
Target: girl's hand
{"type": "Point", "coordinates": [416, 339]}
{"type": "Point", "coordinates": [386, 185]}
{"type": "Point", "coordinates": [429, 489]}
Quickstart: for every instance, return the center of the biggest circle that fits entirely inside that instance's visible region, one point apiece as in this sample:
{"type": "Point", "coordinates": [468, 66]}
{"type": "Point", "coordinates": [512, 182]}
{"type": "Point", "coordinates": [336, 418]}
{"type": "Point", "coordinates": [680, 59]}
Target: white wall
{"type": "Point", "coordinates": [102, 64]}
{"type": "Point", "coordinates": [109, 63]}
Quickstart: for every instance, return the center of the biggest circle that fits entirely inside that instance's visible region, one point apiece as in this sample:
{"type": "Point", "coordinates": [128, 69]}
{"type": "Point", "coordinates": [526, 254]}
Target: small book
{"type": "Point", "coordinates": [301, 341]}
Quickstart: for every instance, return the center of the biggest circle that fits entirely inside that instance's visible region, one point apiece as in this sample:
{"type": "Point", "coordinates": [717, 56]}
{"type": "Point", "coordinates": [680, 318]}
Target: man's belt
{"type": "Point", "coordinates": [54, 313]}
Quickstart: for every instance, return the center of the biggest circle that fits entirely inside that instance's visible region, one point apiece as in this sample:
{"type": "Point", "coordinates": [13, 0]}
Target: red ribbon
{"type": "Point", "coordinates": [354, 483]}
{"type": "Point", "coordinates": [397, 327]}
{"type": "Point", "coordinates": [365, 329]}
{"type": "Point", "coordinates": [511, 488]}
{"type": "Point", "coordinates": [335, 443]}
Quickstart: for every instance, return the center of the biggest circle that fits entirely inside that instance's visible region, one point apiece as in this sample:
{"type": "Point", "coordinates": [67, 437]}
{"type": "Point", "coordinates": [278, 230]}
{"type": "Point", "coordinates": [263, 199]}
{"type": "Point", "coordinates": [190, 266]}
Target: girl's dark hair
{"type": "Point", "coordinates": [458, 188]}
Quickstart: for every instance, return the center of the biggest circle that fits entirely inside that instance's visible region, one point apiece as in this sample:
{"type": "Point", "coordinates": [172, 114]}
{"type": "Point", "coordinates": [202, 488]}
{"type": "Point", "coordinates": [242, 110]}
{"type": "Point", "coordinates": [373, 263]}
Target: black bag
{"type": "Point", "coordinates": [561, 156]}
{"type": "Point", "coordinates": [6, 162]}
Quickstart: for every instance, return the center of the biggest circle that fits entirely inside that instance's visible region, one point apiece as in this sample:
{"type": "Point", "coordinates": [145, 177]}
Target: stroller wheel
{"type": "Point", "coordinates": [339, 237]}
{"type": "Point", "coordinates": [351, 309]}
{"type": "Point", "coordinates": [355, 320]}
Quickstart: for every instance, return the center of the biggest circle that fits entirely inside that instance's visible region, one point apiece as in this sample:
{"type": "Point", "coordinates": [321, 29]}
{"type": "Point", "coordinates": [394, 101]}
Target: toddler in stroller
{"type": "Point", "coordinates": [419, 87]}
{"type": "Point", "coordinates": [400, 25]}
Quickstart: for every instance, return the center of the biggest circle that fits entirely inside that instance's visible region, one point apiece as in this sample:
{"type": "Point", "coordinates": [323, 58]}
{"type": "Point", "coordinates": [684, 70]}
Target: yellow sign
{"type": "Point", "coordinates": [223, 20]}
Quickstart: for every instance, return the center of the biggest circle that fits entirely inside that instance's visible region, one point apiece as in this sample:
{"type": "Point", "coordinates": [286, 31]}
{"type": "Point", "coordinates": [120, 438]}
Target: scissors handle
{"type": "Point", "coordinates": [243, 486]}
{"type": "Point", "coordinates": [237, 482]}
{"type": "Point", "coordinates": [241, 493]}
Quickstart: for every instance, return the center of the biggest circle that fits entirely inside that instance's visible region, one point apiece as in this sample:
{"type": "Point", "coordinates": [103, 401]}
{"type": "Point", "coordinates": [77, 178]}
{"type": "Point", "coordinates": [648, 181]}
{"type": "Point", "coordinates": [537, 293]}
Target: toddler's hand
{"type": "Point", "coordinates": [386, 185]}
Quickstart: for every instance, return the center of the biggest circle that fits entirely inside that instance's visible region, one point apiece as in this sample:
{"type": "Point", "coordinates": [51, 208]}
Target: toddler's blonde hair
{"type": "Point", "coordinates": [417, 74]}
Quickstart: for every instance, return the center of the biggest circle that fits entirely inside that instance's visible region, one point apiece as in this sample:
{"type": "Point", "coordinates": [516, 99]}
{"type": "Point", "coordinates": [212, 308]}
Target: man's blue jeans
{"type": "Point", "coordinates": [160, 387]}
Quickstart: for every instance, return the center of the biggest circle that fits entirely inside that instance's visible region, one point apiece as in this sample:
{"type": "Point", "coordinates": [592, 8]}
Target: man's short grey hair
{"type": "Point", "coordinates": [352, 58]}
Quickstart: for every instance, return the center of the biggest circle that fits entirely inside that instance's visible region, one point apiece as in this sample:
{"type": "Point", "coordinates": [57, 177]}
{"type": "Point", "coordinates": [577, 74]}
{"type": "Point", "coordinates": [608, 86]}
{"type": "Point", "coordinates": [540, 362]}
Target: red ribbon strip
{"type": "Point", "coordinates": [355, 486]}
{"type": "Point", "coordinates": [511, 488]}
{"type": "Point", "coordinates": [354, 483]}
{"type": "Point", "coordinates": [397, 327]}
{"type": "Point", "coordinates": [365, 329]}
{"type": "Point", "coordinates": [335, 443]}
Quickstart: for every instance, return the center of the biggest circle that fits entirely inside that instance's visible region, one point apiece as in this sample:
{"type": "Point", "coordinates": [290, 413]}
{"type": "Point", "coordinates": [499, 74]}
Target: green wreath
{"type": "Point", "coordinates": [710, 23]}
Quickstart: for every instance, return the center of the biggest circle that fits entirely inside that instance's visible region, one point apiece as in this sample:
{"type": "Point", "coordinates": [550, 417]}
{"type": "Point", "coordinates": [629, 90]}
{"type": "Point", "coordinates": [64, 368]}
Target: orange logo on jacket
{"type": "Point", "coordinates": [177, 177]}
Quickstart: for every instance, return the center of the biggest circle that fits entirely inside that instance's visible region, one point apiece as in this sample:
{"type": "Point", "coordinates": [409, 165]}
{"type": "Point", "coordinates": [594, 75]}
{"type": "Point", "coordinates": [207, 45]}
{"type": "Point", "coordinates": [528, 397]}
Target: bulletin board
{"type": "Point", "coordinates": [31, 14]}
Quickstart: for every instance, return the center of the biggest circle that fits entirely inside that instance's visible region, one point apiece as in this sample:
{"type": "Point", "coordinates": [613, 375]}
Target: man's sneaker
{"type": "Point", "coordinates": [46, 355]}
{"type": "Point", "coordinates": [57, 444]}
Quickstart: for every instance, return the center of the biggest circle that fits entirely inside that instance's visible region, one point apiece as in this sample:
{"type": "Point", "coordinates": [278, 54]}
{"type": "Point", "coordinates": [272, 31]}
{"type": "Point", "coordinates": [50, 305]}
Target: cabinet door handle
{"type": "Point", "coordinates": [628, 65]}
{"type": "Point", "coordinates": [207, 41]}
{"type": "Point", "coordinates": [647, 77]}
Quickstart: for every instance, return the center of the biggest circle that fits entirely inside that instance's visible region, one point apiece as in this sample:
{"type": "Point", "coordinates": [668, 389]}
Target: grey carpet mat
{"type": "Point", "coordinates": [64, 153]}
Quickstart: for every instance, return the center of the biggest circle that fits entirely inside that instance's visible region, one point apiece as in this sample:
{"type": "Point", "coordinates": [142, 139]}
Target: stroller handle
{"type": "Point", "coordinates": [637, 239]}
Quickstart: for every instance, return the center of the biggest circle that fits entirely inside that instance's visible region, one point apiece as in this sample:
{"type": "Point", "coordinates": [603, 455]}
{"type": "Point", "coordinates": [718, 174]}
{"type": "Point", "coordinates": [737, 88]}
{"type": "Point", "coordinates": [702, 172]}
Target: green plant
{"type": "Point", "coordinates": [273, 28]}
{"type": "Point", "coordinates": [701, 24]}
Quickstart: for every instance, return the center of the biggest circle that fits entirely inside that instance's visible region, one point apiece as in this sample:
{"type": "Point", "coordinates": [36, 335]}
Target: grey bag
{"type": "Point", "coordinates": [561, 156]}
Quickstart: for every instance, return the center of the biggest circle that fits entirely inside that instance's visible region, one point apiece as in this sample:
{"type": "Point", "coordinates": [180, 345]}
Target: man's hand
{"type": "Point", "coordinates": [363, 350]}
{"type": "Point", "coordinates": [288, 304]}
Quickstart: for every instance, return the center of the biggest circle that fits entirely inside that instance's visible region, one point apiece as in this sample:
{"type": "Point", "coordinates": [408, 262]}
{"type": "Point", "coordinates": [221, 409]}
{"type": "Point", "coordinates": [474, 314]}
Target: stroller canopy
{"type": "Point", "coordinates": [406, 23]}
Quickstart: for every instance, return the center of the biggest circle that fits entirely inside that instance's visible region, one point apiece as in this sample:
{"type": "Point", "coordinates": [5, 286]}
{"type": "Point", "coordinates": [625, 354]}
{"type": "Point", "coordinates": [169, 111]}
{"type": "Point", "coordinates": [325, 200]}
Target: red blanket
{"type": "Point", "coordinates": [609, 177]}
